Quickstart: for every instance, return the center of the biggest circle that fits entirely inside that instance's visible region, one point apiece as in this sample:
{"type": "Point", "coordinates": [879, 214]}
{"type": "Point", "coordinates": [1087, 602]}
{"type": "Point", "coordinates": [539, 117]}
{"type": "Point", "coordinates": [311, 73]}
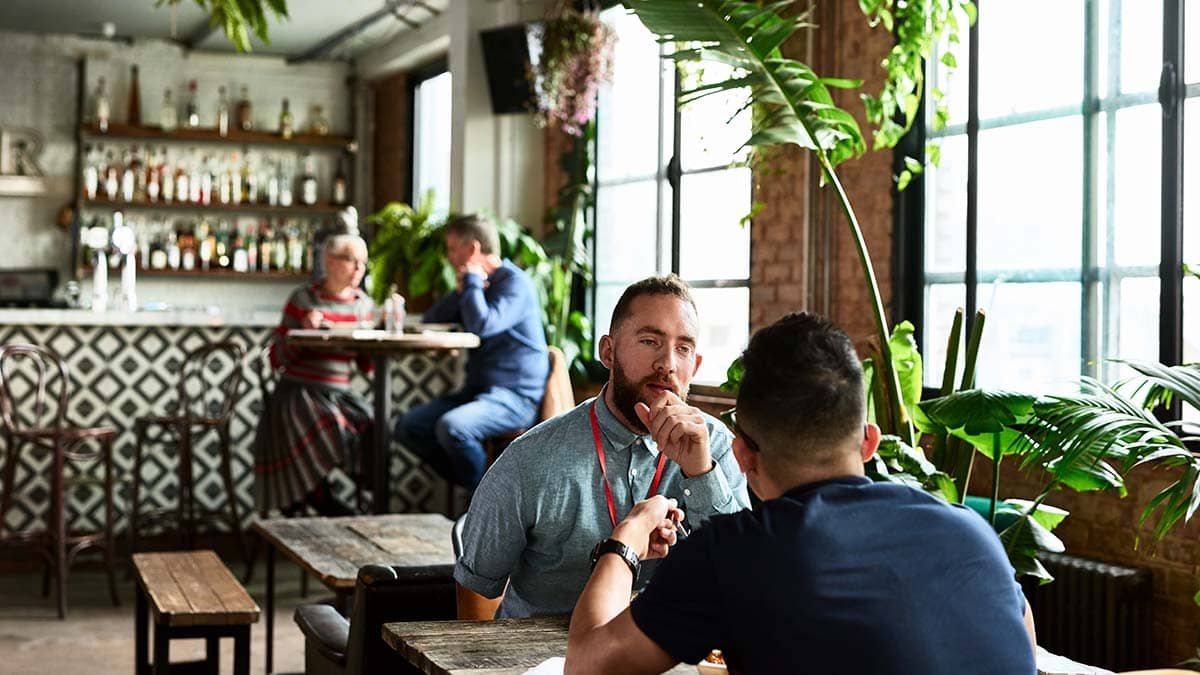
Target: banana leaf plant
{"type": "Point", "coordinates": [793, 105]}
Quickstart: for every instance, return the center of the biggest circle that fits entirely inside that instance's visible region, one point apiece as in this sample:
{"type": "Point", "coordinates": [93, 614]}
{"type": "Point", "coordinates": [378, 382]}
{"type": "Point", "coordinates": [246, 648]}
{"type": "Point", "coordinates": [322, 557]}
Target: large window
{"type": "Point", "coordinates": [431, 101]}
{"type": "Point", "coordinates": [670, 195]}
{"type": "Point", "coordinates": [1055, 193]}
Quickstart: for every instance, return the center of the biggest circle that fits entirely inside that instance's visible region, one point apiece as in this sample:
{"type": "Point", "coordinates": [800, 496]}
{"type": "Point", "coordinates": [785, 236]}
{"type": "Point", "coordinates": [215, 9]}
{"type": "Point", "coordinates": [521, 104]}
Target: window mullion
{"type": "Point", "coordinates": [970, 277]}
{"type": "Point", "coordinates": [1170, 327]}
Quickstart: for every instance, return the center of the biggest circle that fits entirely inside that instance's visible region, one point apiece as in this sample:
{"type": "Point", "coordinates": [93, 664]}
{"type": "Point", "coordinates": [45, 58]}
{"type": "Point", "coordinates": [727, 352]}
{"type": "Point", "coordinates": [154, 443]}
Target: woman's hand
{"type": "Point", "coordinates": [312, 320]}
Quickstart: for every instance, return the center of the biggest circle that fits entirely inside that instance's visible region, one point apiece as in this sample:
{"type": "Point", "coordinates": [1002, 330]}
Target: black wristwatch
{"type": "Point", "coordinates": [627, 554]}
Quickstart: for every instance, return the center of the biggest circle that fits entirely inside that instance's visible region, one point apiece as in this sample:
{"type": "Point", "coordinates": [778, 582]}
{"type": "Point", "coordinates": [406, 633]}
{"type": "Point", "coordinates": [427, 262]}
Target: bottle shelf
{"type": "Point", "coordinates": [214, 273]}
{"type": "Point", "coordinates": [294, 210]}
{"type": "Point", "coordinates": [118, 132]}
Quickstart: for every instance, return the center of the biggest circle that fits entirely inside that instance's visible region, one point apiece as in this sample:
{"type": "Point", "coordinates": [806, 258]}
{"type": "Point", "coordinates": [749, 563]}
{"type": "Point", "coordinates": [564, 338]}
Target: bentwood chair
{"type": "Point", "coordinates": [35, 422]}
{"type": "Point", "coordinates": [210, 380]}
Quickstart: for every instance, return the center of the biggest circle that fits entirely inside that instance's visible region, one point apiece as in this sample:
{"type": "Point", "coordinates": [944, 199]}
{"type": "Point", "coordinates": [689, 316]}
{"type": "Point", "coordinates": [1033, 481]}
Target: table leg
{"type": "Point", "coordinates": [381, 498]}
{"type": "Point", "coordinates": [212, 655]}
{"type": "Point", "coordinates": [141, 630]}
{"type": "Point", "coordinates": [162, 651]}
{"type": "Point", "coordinates": [241, 651]}
{"type": "Point", "coordinates": [270, 608]}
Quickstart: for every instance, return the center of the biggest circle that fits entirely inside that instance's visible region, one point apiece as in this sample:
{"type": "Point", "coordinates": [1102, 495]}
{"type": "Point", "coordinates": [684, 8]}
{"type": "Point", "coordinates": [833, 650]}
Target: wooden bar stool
{"type": "Point", "coordinates": [27, 370]}
{"type": "Point", "coordinates": [210, 380]}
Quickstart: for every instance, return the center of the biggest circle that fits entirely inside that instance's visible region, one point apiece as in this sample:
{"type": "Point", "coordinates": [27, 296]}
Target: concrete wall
{"type": "Point", "coordinates": [39, 78]}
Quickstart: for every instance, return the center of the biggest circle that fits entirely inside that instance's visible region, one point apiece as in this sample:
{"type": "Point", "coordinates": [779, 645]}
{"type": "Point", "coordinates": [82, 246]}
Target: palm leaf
{"type": "Point", "coordinates": [795, 107]}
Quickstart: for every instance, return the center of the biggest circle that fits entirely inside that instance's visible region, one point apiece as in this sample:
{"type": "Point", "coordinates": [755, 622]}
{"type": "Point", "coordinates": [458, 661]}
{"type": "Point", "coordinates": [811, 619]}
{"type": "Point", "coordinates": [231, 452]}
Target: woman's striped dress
{"type": "Point", "coordinates": [314, 420]}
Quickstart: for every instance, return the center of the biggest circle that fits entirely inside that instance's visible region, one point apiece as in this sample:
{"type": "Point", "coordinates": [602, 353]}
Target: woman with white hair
{"type": "Point", "coordinates": [316, 420]}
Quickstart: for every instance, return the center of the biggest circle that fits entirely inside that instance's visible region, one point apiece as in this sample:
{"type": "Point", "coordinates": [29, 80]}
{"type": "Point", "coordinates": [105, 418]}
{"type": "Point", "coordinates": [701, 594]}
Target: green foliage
{"type": "Point", "coordinates": [409, 250]}
{"type": "Point", "coordinates": [918, 26]}
{"type": "Point", "coordinates": [238, 17]}
{"type": "Point", "coordinates": [897, 462]}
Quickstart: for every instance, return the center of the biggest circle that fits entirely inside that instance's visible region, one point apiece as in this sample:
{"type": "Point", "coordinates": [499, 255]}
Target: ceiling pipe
{"type": "Point", "coordinates": [390, 7]}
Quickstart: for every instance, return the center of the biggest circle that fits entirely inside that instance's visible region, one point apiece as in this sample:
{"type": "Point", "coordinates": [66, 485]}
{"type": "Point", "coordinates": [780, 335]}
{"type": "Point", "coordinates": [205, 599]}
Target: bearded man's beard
{"type": "Point", "coordinates": [627, 394]}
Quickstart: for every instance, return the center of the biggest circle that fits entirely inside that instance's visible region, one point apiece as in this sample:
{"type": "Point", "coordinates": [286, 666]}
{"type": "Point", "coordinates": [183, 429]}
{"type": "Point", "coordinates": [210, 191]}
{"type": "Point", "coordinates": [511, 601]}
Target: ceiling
{"type": "Point", "coordinates": [309, 32]}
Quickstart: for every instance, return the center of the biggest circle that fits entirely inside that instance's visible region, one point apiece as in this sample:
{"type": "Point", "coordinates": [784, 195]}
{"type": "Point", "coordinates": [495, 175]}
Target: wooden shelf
{"type": "Point", "coordinates": [294, 210]}
{"type": "Point", "coordinates": [208, 135]}
{"type": "Point", "coordinates": [216, 273]}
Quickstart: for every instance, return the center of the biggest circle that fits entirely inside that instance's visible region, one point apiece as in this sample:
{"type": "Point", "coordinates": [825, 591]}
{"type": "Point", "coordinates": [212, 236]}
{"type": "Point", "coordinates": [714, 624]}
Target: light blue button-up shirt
{"type": "Point", "coordinates": [541, 507]}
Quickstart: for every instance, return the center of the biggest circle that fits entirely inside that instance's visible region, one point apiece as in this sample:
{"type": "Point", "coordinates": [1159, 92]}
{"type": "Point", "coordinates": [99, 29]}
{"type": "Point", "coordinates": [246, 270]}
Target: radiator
{"type": "Point", "coordinates": [1093, 612]}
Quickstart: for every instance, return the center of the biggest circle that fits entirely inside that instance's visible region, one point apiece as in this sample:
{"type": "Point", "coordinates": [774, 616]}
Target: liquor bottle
{"type": "Point", "coordinates": [245, 117]}
{"type": "Point", "coordinates": [151, 173]}
{"type": "Point", "coordinates": [166, 176]}
{"type": "Point", "coordinates": [221, 247]}
{"type": "Point", "coordinates": [187, 249]}
{"type": "Point", "coordinates": [317, 123]}
{"type": "Point", "coordinates": [139, 163]}
{"type": "Point", "coordinates": [159, 257]}
{"type": "Point", "coordinates": [202, 179]}
{"type": "Point", "coordinates": [285, 121]}
{"type": "Point", "coordinates": [112, 179]}
{"type": "Point", "coordinates": [265, 251]}
{"type": "Point", "coordinates": [308, 182]}
{"type": "Point", "coordinates": [240, 261]}
{"type": "Point", "coordinates": [295, 250]}
{"type": "Point", "coordinates": [339, 183]}
{"type": "Point", "coordinates": [222, 112]}
{"type": "Point", "coordinates": [192, 112]}
{"type": "Point", "coordinates": [168, 116]}
{"type": "Point", "coordinates": [284, 179]}
{"type": "Point", "coordinates": [100, 106]}
{"type": "Point", "coordinates": [133, 114]}
{"type": "Point", "coordinates": [91, 172]}
{"type": "Point", "coordinates": [279, 249]}
{"type": "Point", "coordinates": [272, 180]}
{"type": "Point", "coordinates": [183, 186]}
{"type": "Point", "coordinates": [249, 181]}
{"type": "Point", "coordinates": [128, 173]}
{"type": "Point", "coordinates": [224, 185]}
{"type": "Point", "coordinates": [205, 242]}
{"type": "Point", "coordinates": [251, 250]}
{"type": "Point", "coordinates": [234, 176]}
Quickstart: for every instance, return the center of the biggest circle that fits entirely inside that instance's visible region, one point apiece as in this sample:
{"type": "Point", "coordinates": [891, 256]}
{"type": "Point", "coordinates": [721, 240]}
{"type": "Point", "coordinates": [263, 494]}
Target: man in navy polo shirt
{"type": "Point", "coordinates": [832, 573]}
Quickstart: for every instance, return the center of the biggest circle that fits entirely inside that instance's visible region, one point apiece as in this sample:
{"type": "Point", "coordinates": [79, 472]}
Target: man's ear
{"type": "Point", "coordinates": [747, 458]}
{"type": "Point", "coordinates": [871, 435]}
{"type": "Point", "coordinates": [606, 351]}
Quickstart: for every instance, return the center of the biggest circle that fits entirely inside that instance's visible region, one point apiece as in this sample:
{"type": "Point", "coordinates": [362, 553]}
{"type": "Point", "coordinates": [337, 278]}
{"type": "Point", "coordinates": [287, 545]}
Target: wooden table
{"type": "Point", "coordinates": [192, 595]}
{"type": "Point", "coordinates": [332, 549]}
{"type": "Point", "coordinates": [500, 647]}
{"type": "Point", "coordinates": [381, 346]}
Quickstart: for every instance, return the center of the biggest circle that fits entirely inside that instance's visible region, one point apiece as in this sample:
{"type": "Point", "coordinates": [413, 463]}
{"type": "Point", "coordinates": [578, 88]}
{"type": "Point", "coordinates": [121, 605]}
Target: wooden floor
{"type": "Point", "coordinates": [98, 638]}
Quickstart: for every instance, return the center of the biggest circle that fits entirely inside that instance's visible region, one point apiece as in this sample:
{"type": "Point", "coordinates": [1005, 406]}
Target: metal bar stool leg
{"type": "Point", "coordinates": [135, 489]}
{"type": "Point", "coordinates": [235, 520]}
{"type": "Point", "coordinates": [109, 516]}
{"type": "Point", "coordinates": [187, 516]}
{"type": "Point", "coordinates": [59, 526]}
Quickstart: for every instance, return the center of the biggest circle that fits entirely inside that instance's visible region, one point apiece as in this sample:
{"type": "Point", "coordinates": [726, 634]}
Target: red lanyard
{"type": "Point", "coordinates": [612, 509]}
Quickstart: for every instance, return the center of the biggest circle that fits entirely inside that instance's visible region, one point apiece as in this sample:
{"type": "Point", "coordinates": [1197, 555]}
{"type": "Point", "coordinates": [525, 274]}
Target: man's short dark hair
{"type": "Point", "coordinates": [476, 227]}
{"type": "Point", "coordinates": [668, 285]}
{"type": "Point", "coordinates": [802, 393]}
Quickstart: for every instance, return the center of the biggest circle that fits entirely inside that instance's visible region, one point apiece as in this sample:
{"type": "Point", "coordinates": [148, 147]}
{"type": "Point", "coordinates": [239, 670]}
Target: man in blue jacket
{"type": "Point", "coordinates": [506, 374]}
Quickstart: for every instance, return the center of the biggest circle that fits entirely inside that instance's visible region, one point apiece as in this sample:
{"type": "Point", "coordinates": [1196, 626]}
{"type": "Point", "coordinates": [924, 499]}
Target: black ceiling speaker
{"type": "Point", "coordinates": [509, 53]}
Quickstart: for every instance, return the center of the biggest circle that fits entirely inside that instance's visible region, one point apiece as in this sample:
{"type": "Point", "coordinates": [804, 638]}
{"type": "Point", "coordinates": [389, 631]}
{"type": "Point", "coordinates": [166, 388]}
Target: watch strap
{"type": "Point", "coordinates": [620, 549]}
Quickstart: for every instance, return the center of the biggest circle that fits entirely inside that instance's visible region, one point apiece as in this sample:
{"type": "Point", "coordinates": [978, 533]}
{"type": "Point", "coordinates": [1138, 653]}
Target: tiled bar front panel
{"type": "Point", "coordinates": [119, 373]}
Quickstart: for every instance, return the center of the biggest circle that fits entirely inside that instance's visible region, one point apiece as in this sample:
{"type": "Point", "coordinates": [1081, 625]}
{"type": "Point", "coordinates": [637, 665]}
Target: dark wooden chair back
{"type": "Point", "coordinates": [210, 381]}
{"type": "Point", "coordinates": [26, 369]}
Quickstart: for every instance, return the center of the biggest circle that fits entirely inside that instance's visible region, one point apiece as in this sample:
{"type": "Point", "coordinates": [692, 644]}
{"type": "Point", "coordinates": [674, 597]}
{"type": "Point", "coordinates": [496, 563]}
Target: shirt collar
{"type": "Point", "coordinates": [850, 481]}
{"type": "Point", "coordinates": [616, 433]}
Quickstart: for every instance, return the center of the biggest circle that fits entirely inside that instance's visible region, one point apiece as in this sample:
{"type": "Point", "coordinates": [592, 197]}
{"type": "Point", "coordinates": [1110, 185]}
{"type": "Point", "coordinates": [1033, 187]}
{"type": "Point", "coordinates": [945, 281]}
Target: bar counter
{"type": "Point", "coordinates": [123, 365]}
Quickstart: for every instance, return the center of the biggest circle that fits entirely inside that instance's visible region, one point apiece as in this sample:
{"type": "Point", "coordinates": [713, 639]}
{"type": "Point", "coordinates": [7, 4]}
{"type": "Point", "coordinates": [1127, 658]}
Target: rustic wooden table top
{"type": "Point", "coordinates": [382, 342]}
{"type": "Point", "coordinates": [333, 549]}
{"type": "Point", "coordinates": [500, 647]}
{"type": "Point", "coordinates": [193, 588]}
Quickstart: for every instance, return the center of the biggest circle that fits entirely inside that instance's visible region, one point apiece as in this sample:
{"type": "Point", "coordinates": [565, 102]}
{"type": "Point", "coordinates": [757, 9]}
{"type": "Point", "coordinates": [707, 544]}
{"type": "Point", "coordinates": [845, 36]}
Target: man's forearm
{"type": "Point", "coordinates": [604, 597]}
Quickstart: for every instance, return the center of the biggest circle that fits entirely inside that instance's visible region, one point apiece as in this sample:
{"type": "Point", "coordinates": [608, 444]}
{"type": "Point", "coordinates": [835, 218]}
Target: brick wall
{"type": "Point", "coordinates": [391, 169]}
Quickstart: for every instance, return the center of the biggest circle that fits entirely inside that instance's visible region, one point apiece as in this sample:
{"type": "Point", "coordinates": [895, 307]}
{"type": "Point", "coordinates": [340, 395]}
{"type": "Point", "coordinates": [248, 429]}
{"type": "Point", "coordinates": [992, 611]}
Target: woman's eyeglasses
{"type": "Point", "coordinates": [358, 262]}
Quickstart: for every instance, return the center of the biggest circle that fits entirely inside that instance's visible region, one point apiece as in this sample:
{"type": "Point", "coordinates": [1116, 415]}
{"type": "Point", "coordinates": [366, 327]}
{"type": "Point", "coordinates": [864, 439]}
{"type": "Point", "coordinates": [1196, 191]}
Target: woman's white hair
{"type": "Point", "coordinates": [339, 241]}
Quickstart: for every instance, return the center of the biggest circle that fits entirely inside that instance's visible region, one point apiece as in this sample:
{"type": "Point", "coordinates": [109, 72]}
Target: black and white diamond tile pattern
{"type": "Point", "coordinates": [119, 373]}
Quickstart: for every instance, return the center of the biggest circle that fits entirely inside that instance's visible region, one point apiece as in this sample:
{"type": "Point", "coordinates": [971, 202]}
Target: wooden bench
{"type": "Point", "coordinates": [193, 595]}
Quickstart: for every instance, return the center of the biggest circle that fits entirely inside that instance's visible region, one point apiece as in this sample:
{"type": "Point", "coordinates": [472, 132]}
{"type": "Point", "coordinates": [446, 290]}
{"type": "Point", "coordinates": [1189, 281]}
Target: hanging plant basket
{"type": "Point", "coordinates": [576, 58]}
